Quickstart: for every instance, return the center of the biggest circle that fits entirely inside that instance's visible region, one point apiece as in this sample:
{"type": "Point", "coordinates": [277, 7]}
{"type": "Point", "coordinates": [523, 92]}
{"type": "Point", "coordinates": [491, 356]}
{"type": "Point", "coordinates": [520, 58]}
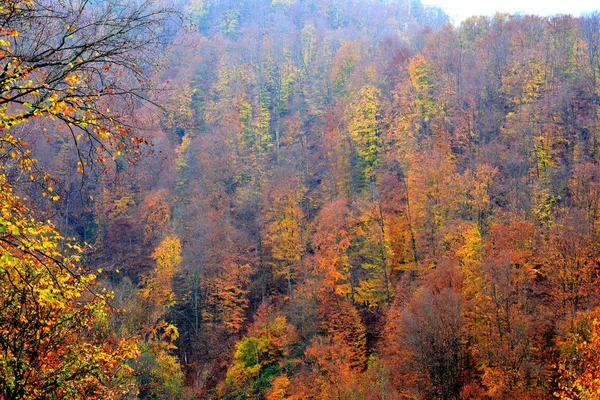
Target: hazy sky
{"type": "Point", "coordinates": [461, 9]}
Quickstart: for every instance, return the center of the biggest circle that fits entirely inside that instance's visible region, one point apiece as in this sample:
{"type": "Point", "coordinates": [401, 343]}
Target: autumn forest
{"type": "Point", "coordinates": [297, 199]}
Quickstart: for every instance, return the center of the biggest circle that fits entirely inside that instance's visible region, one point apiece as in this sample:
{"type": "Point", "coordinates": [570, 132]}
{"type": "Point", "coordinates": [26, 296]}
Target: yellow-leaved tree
{"type": "Point", "coordinates": [363, 131]}
{"type": "Point", "coordinates": [67, 65]}
{"type": "Point", "coordinates": [51, 339]}
{"type": "Point", "coordinates": [161, 372]}
{"type": "Point", "coordinates": [579, 366]}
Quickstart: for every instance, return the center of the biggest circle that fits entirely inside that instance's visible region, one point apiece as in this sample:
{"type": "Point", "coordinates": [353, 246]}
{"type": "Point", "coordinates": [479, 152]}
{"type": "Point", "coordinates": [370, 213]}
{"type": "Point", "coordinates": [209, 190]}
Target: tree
{"type": "Point", "coordinates": [427, 335]}
{"type": "Point", "coordinates": [158, 285]}
{"type": "Point", "coordinates": [259, 356]}
{"type": "Point", "coordinates": [63, 60]}
{"type": "Point", "coordinates": [423, 84]}
{"type": "Point", "coordinates": [364, 132]}
{"type": "Point", "coordinates": [155, 213]}
{"type": "Point", "coordinates": [436, 192]}
{"type": "Point", "coordinates": [342, 325]}
{"type": "Point", "coordinates": [283, 228]}
{"type": "Point", "coordinates": [579, 367]}
{"type": "Point", "coordinates": [570, 266]}
{"type": "Point", "coordinates": [502, 315]}
{"type": "Point", "coordinates": [332, 241]}
{"type": "Point", "coordinates": [51, 340]}
{"type": "Point", "coordinates": [157, 297]}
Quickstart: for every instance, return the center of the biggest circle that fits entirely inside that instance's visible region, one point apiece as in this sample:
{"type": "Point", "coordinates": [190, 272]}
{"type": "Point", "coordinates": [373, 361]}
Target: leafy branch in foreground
{"type": "Point", "coordinates": [51, 341]}
{"type": "Point", "coordinates": [82, 64]}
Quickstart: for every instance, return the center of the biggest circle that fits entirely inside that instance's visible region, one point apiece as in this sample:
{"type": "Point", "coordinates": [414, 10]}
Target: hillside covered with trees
{"type": "Point", "coordinates": [297, 199]}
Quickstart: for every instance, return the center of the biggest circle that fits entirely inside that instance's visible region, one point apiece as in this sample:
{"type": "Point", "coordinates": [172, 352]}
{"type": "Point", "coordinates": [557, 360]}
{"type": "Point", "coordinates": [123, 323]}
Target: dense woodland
{"type": "Point", "coordinates": [297, 199]}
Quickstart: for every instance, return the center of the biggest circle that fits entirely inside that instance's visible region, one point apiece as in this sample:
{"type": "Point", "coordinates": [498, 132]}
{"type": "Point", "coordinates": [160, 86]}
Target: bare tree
{"type": "Point", "coordinates": [83, 62]}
